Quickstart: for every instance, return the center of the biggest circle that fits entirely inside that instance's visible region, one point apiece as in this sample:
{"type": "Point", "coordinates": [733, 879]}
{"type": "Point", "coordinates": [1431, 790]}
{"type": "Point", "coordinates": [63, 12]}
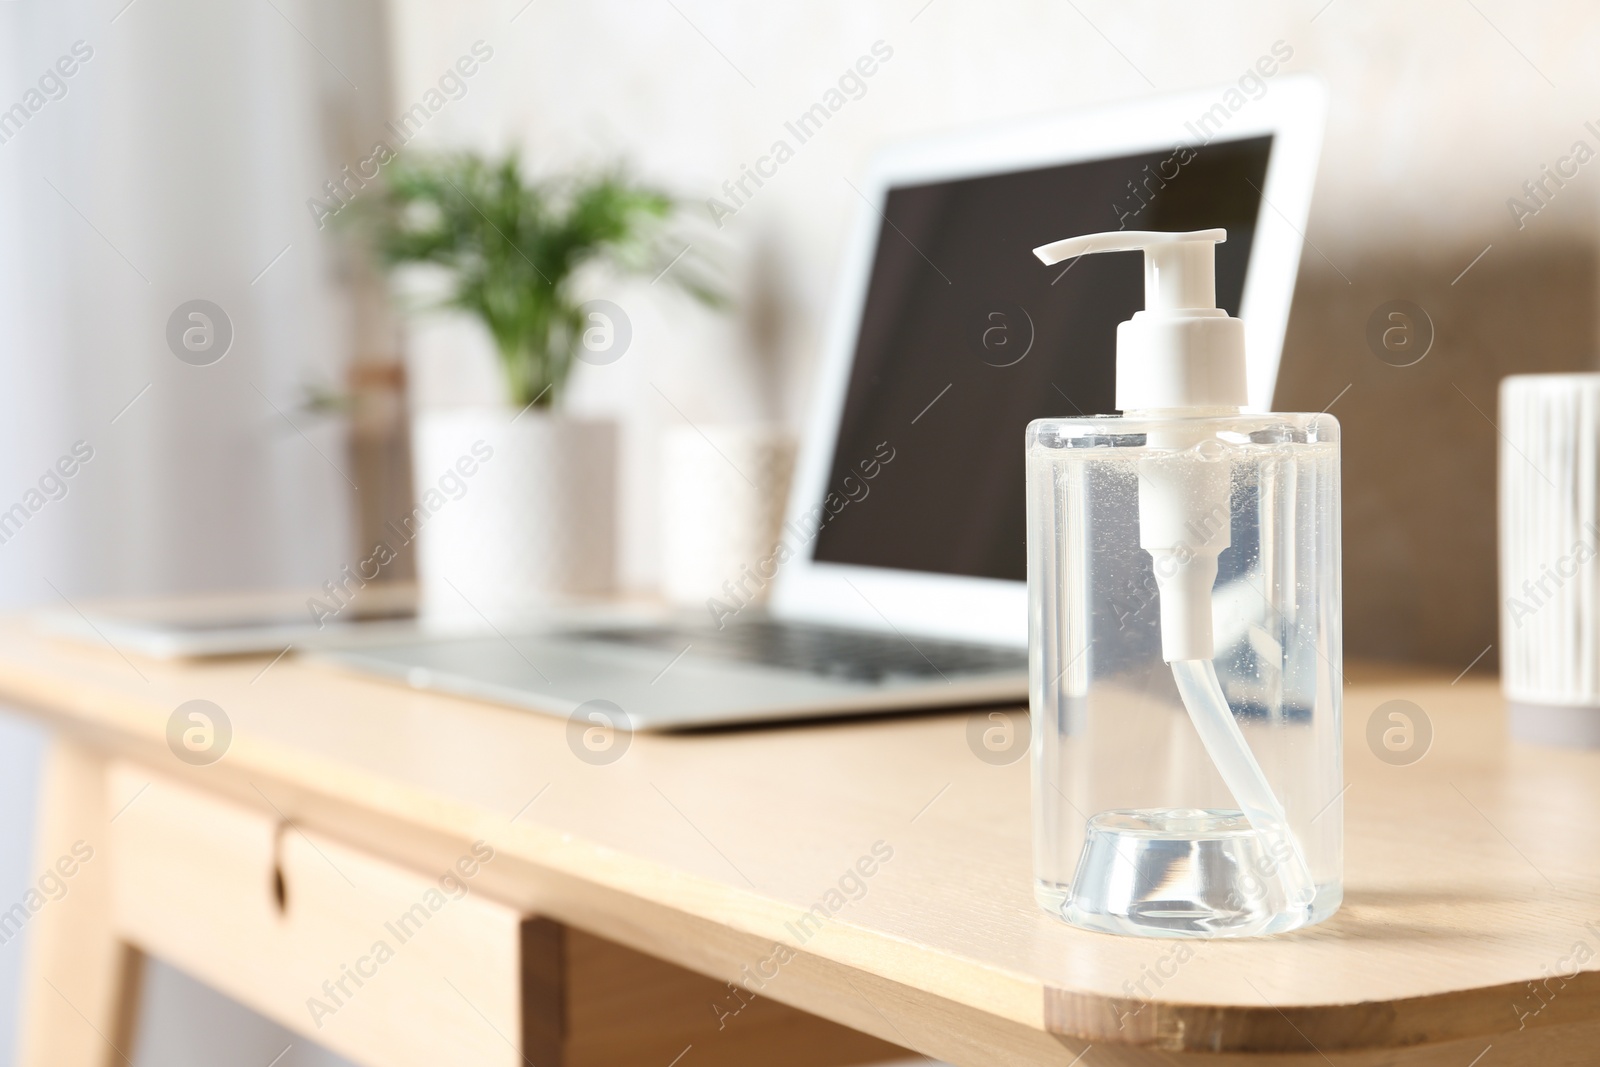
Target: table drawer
{"type": "Point", "coordinates": [385, 965]}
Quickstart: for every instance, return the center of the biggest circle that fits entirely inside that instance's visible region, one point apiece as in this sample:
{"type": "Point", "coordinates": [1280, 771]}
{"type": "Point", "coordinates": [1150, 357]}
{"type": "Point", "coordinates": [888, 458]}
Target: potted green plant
{"type": "Point", "coordinates": [516, 502]}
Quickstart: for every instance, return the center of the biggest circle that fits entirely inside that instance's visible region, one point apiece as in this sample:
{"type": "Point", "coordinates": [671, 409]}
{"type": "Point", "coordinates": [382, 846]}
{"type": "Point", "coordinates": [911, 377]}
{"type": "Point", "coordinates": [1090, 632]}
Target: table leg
{"type": "Point", "coordinates": [81, 983]}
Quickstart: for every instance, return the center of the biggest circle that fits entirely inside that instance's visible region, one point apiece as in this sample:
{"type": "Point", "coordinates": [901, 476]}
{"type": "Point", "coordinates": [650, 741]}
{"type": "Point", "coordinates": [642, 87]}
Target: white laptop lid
{"type": "Point", "coordinates": [907, 511]}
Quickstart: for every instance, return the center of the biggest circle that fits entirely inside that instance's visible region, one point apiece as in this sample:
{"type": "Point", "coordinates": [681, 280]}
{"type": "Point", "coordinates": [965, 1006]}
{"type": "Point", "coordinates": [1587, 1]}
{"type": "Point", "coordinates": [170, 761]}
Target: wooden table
{"type": "Point", "coordinates": [630, 907]}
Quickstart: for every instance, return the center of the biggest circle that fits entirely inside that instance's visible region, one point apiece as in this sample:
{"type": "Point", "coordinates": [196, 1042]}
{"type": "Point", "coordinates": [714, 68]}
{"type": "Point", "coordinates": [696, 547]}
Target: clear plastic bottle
{"type": "Point", "coordinates": [1183, 576]}
{"type": "Point", "coordinates": [1135, 830]}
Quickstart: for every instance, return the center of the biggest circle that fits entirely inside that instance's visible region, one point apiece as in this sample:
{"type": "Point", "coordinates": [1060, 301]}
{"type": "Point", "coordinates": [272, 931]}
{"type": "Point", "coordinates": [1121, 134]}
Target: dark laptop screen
{"type": "Point", "coordinates": [965, 338]}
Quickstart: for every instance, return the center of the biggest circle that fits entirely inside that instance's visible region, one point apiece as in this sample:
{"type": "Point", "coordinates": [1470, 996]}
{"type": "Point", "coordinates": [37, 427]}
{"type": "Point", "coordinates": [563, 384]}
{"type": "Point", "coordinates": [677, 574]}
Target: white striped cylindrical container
{"type": "Point", "coordinates": [1550, 557]}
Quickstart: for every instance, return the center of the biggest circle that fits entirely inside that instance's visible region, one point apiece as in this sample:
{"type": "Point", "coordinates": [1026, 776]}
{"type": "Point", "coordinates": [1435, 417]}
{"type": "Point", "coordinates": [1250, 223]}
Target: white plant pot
{"type": "Point", "coordinates": [723, 491]}
{"type": "Point", "coordinates": [513, 512]}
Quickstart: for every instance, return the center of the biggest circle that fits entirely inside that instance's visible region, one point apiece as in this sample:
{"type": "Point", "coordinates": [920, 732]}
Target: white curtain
{"type": "Point", "coordinates": [174, 168]}
{"type": "Point", "coordinates": [173, 164]}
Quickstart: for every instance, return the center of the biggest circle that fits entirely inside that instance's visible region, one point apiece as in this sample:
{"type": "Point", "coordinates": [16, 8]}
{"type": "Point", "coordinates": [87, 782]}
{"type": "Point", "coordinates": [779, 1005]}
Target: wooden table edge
{"type": "Point", "coordinates": [1361, 1026]}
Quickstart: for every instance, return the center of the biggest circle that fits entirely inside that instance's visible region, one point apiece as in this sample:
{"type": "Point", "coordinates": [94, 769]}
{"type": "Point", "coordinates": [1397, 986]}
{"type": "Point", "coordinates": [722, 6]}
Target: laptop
{"type": "Point", "coordinates": [899, 579]}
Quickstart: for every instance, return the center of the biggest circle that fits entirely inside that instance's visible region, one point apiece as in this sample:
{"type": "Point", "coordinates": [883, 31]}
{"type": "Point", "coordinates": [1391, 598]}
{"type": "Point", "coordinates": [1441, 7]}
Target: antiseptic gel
{"type": "Point", "coordinates": [1183, 576]}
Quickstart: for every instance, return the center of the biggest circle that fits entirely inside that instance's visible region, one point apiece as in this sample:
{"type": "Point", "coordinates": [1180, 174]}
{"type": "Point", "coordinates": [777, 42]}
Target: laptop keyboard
{"type": "Point", "coordinates": [850, 655]}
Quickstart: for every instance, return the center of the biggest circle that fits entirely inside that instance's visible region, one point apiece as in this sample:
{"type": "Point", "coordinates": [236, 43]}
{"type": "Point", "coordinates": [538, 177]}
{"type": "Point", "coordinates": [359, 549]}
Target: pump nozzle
{"type": "Point", "coordinates": [1179, 268]}
{"type": "Point", "coordinates": [1182, 352]}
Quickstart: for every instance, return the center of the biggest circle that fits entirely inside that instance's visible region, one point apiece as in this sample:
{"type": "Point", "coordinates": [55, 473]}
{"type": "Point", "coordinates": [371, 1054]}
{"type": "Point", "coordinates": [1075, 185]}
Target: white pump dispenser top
{"type": "Point", "coordinates": [1182, 351]}
{"type": "Point", "coordinates": [1182, 357]}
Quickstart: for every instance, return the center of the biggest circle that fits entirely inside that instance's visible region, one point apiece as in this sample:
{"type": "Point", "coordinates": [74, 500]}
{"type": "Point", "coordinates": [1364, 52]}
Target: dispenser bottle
{"type": "Point", "coordinates": [1186, 665]}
